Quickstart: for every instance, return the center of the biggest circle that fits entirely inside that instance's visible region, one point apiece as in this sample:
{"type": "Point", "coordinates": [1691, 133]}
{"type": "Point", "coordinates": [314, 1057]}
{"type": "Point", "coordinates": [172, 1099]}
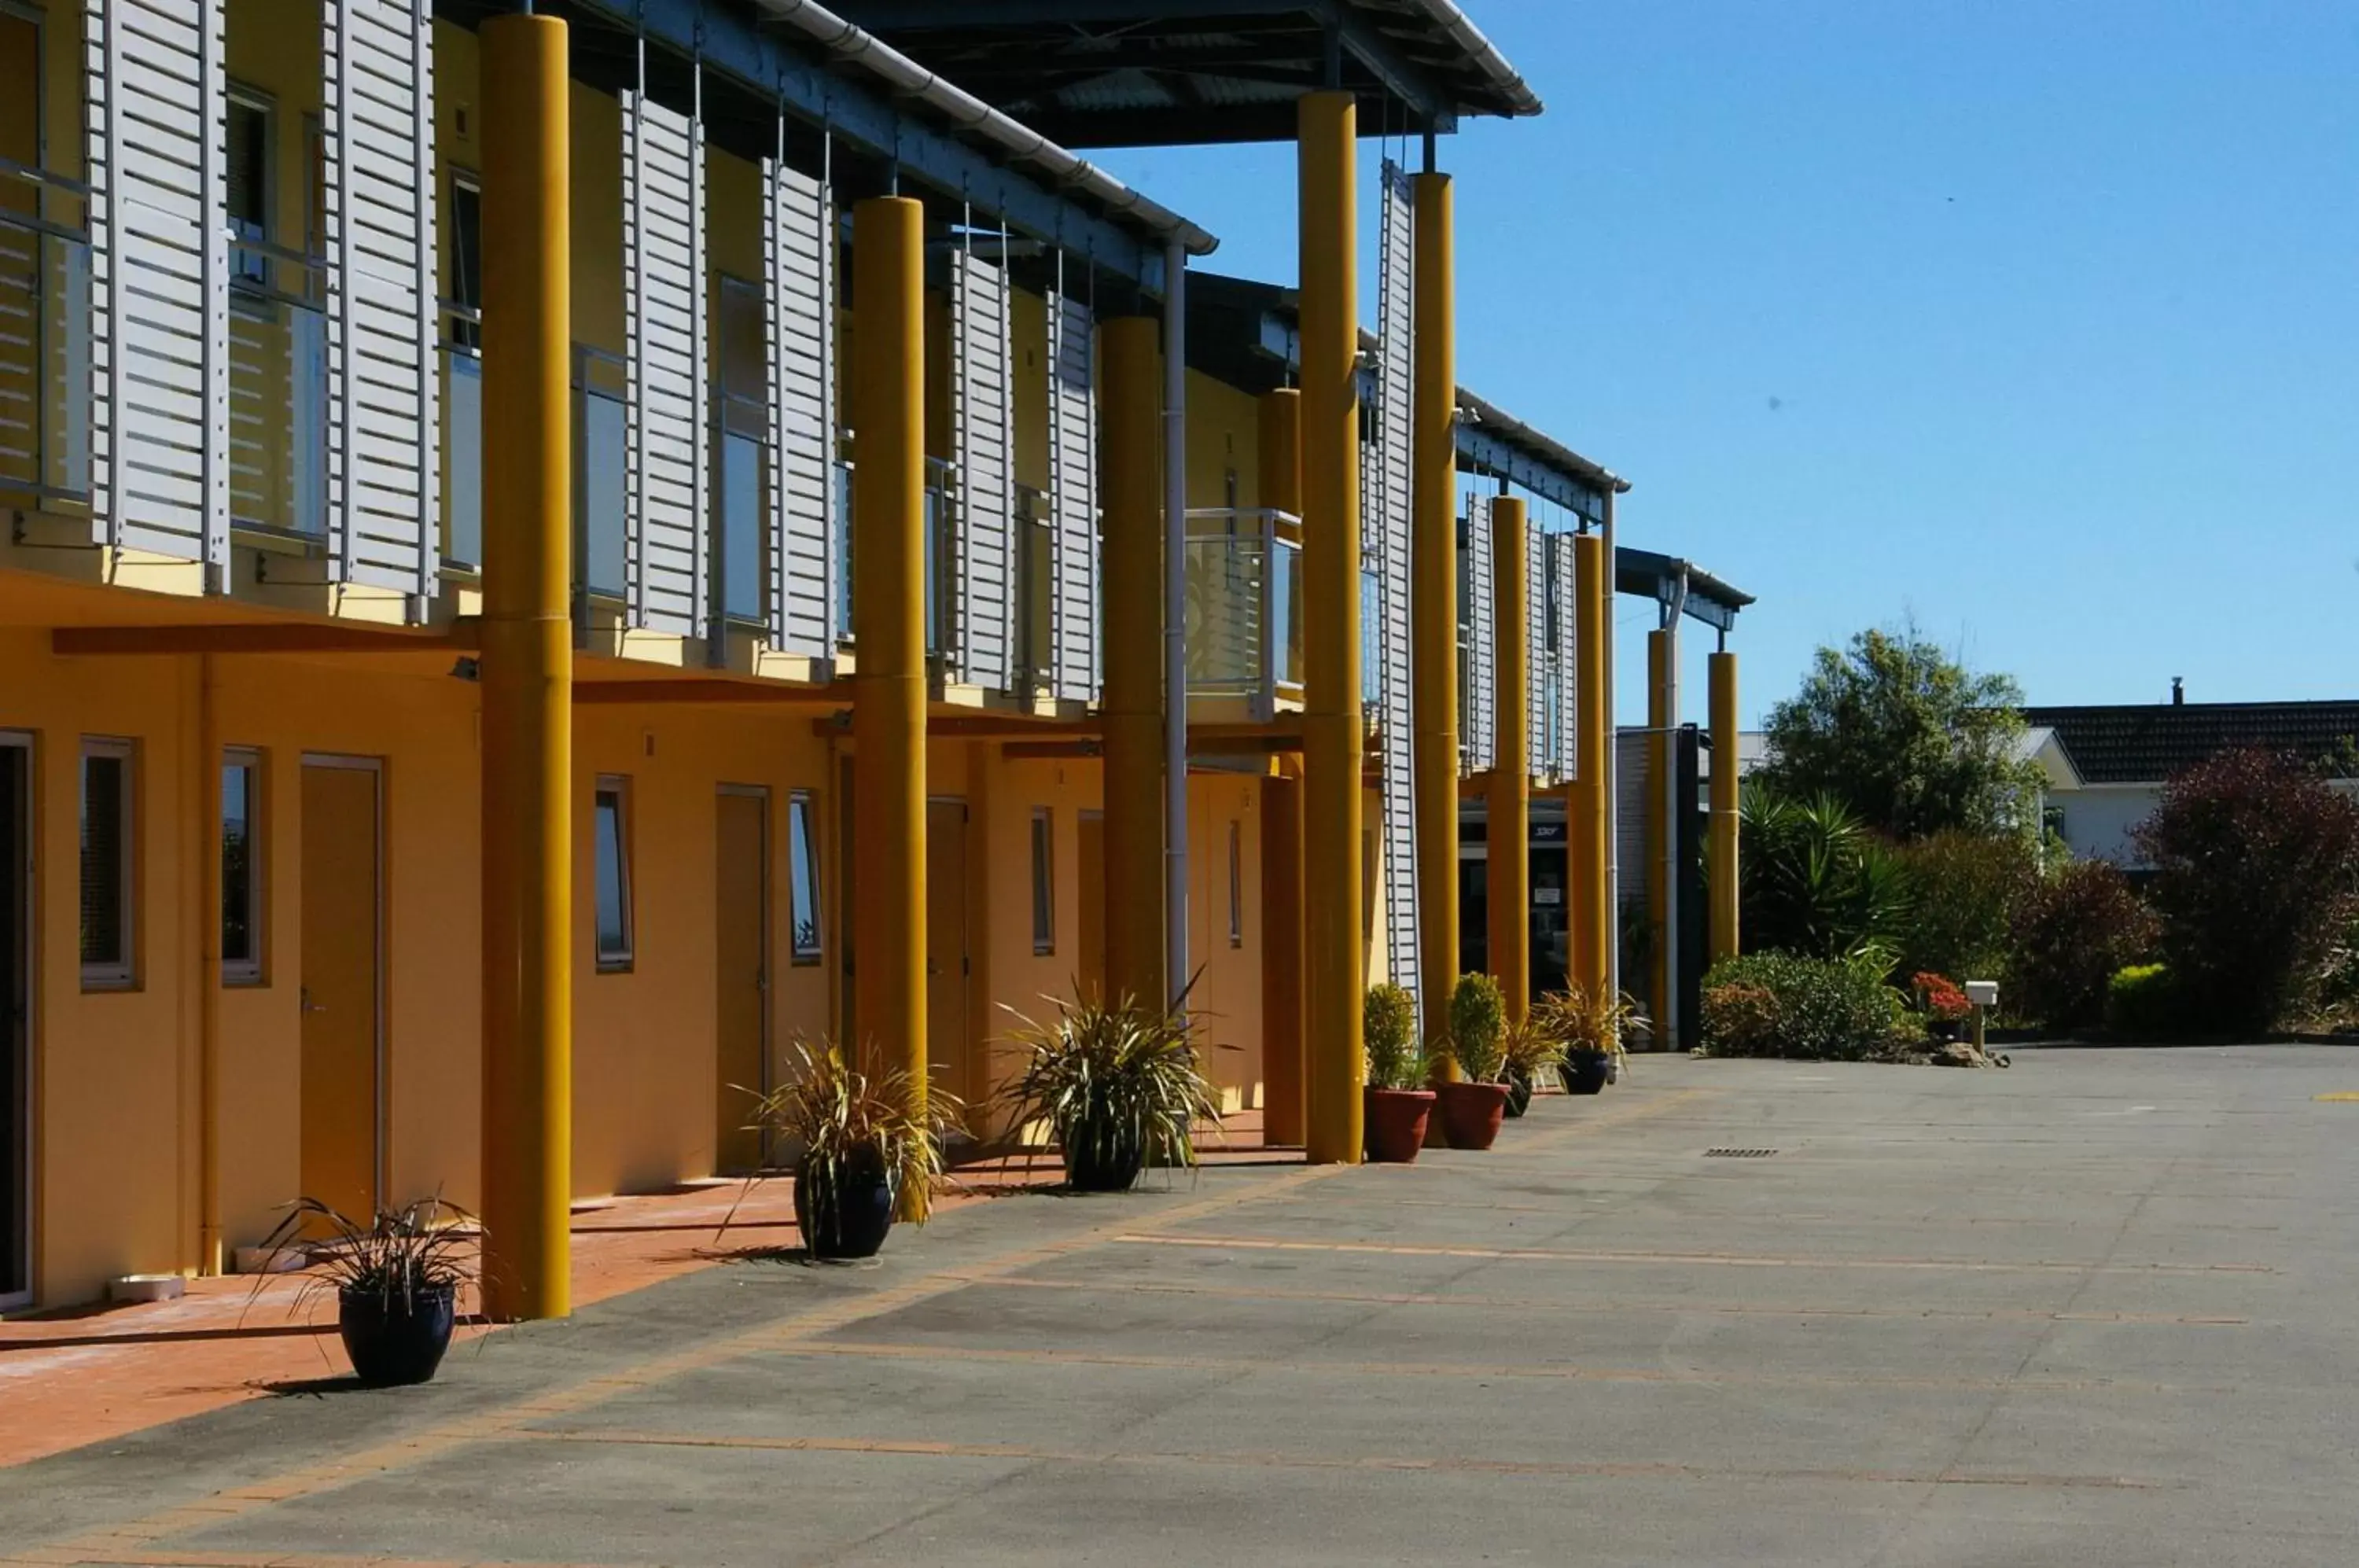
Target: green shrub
{"type": "Point", "coordinates": [1388, 1028]}
{"type": "Point", "coordinates": [1478, 1016]}
{"type": "Point", "coordinates": [1963, 889]}
{"type": "Point", "coordinates": [1813, 879]}
{"type": "Point", "coordinates": [1782, 1004]}
{"type": "Point", "coordinates": [2142, 1000]}
{"type": "Point", "coordinates": [2072, 932]}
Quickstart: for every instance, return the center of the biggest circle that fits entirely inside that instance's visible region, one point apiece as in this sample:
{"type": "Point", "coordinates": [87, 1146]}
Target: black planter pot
{"type": "Point", "coordinates": [850, 1217]}
{"type": "Point", "coordinates": [396, 1338]}
{"type": "Point", "coordinates": [1096, 1164]}
{"type": "Point", "coordinates": [1520, 1094]}
{"type": "Point", "coordinates": [1585, 1072]}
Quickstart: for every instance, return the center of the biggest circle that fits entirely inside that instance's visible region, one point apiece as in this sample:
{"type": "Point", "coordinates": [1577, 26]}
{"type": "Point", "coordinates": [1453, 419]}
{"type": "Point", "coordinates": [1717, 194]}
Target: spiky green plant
{"type": "Point", "coordinates": [1106, 1076]}
{"type": "Point", "coordinates": [1388, 1028]}
{"type": "Point", "coordinates": [427, 1245]}
{"type": "Point", "coordinates": [1478, 1015]}
{"type": "Point", "coordinates": [1588, 1020]}
{"type": "Point", "coordinates": [849, 1123]}
{"type": "Point", "coordinates": [1529, 1048]}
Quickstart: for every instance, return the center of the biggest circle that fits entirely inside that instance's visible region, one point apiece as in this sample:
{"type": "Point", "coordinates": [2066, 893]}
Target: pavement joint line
{"type": "Point", "coordinates": [1620, 1115]}
{"type": "Point", "coordinates": [821, 1318]}
{"type": "Point", "coordinates": [1266, 1459]}
{"type": "Point", "coordinates": [1722, 1259]}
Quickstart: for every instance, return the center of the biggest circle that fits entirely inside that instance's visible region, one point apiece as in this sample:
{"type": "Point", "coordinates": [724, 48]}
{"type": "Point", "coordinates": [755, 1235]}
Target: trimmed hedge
{"type": "Point", "coordinates": [1779, 1003]}
{"type": "Point", "coordinates": [2143, 1000]}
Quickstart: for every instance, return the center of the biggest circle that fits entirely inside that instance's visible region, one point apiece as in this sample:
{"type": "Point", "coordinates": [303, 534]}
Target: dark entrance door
{"type": "Point", "coordinates": [16, 1019]}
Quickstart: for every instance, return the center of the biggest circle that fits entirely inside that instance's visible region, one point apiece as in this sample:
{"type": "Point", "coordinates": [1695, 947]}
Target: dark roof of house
{"type": "Point", "coordinates": [2147, 743]}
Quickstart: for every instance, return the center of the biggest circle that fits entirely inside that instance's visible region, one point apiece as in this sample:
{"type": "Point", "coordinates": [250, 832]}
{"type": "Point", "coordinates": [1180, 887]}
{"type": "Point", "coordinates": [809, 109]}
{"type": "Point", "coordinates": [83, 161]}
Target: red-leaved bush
{"type": "Point", "coordinates": [2071, 931]}
{"type": "Point", "coordinates": [2256, 864]}
{"type": "Point", "coordinates": [1938, 998]}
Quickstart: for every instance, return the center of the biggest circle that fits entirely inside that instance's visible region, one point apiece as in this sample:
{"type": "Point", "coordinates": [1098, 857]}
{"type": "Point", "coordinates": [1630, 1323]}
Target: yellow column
{"type": "Point", "coordinates": [1131, 459]}
{"type": "Point", "coordinates": [889, 703]}
{"type": "Point", "coordinates": [1433, 605]}
{"type": "Point", "coordinates": [527, 674]}
{"type": "Point", "coordinates": [1508, 842]}
{"type": "Point", "coordinates": [1334, 731]}
{"type": "Point", "coordinates": [1589, 852]}
{"type": "Point", "coordinates": [1658, 758]}
{"type": "Point", "coordinates": [1281, 958]}
{"type": "Point", "coordinates": [1722, 678]}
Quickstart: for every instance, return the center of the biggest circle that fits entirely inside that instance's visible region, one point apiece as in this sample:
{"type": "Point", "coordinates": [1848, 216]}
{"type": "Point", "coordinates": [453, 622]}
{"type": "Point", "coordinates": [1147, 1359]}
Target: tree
{"type": "Point", "coordinates": [2256, 864]}
{"type": "Point", "coordinates": [1909, 738]}
{"type": "Point", "coordinates": [2073, 932]}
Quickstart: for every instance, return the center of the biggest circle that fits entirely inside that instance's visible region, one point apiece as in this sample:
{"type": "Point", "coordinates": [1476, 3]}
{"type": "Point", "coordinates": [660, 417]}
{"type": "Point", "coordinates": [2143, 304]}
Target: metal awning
{"type": "Point", "coordinates": [1649, 575]}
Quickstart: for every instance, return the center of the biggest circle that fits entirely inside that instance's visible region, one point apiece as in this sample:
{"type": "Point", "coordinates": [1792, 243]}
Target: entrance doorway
{"type": "Point", "coordinates": [342, 994]}
{"type": "Point", "coordinates": [741, 958]}
{"type": "Point", "coordinates": [16, 1021]}
{"type": "Point", "coordinates": [1091, 871]}
{"type": "Point", "coordinates": [946, 958]}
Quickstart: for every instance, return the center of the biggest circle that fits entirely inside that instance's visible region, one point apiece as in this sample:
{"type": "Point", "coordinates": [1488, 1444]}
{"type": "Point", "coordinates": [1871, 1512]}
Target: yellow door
{"type": "Point", "coordinates": [1092, 870]}
{"type": "Point", "coordinates": [946, 944]}
{"type": "Point", "coordinates": [741, 974]}
{"type": "Point", "coordinates": [340, 990]}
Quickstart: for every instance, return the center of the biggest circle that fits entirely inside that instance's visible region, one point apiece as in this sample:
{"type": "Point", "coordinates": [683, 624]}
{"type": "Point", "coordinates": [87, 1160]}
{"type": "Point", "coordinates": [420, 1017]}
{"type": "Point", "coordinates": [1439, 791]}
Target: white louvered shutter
{"type": "Point", "coordinates": [1568, 660]}
{"type": "Point", "coordinates": [1483, 675]}
{"type": "Point", "coordinates": [1073, 499]}
{"type": "Point", "coordinates": [984, 440]}
{"type": "Point", "coordinates": [384, 390]}
{"type": "Point", "coordinates": [156, 144]}
{"type": "Point", "coordinates": [1535, 666]}
{"type": "Point", "coordinates": [663, 403]}
{"type": "Point", "coordinates": [1394, 306]}
{"type": "Point", "coordinates": [799, 258]}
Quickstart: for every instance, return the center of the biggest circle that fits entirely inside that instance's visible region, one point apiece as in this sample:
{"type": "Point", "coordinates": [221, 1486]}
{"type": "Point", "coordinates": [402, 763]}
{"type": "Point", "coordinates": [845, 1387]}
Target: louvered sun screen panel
{"type": "Point", "coordinates": [800, 262]}
{"type": "Point", "coordinates": [664, 387]}
{"type": "Point", "coordinates": [1394, 305]}
{"type": "Point", "coordinates": [1482, 671]}
{"type": "Point", "coordinates": [156, 139]}
{"type": "Point", "coordinates": [1568, 644]}
{"type": "Point", "coordinates": [384, 390]}
{"type": "Point", "coordinates": [984, 440]}
{"type": "Point", "coordinates": [1536, 670]}
{"type": "Point", "coordinates": [1073, 499]}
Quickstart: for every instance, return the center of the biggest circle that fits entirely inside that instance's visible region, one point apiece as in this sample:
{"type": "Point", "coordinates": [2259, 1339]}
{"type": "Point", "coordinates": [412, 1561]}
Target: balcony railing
{"type": "Point", "coordinates": [462, 352]}
{"type": "Point", "coordinates": [1036, 544]}
{"type": "Point", "coordinates": [942, 560]}
{"type": "Point", "coordinates": [277, 389]}
{"type": "Point", "coordinates": [44, 391]}
{"type": "Point", "coordinates": [1244, 604]}
{"type": "Point", "coordinates": [600, 476]}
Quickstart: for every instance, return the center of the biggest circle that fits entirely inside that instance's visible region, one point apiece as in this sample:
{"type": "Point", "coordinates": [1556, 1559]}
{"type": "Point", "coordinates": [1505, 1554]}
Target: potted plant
{"type": "Point", "coordinates": [1530, 1050]}
{"type": "Point", "coordinates": [1396, 1105]}
{"type": "Point", "coordinates": [871, 1149]}
{"type": "Point", "coordinates": [1473, 1106]}
{"type": "Point", "coordinates": [1120, 1086]}
{"type": "Point", "coordinates": [396, 1280]}
{"type": "Point", "coordinates": [1590, 1023]}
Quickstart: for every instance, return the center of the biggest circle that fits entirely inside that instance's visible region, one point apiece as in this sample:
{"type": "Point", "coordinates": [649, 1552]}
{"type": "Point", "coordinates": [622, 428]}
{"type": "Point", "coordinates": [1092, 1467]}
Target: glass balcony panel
{"type": "Point", "coordinates": [843, 551]}
{"type": "Point", "coordinates": [44, 391]}
{"type": "Point", "coordinates": [462, 456]}
{"type": "Point", "coordinates": [277, 395]}
{"type": "Point", "coordinates": [1285, 610]}
{"type": "Point", "coordinates": [604, 482]}
{"type": "Point", "coordinates": [741, 594]}
{"type": "Point", "coordinates": [1372, 622]}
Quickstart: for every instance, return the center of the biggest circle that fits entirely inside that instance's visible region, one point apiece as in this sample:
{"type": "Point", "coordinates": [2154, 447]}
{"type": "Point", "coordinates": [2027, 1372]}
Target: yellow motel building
{"type": "Point", "coordinates": [549, 555]}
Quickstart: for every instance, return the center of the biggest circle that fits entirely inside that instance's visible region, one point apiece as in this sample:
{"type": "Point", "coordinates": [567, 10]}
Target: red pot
{"type": "Point", "coordinates": [1471, 1112]}
{"type": "Point", "coordinates": [1394, 1120]}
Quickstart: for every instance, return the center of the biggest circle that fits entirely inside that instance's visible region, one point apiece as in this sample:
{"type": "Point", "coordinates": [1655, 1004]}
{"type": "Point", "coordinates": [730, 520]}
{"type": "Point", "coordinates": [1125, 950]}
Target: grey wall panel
{"type": "Point", "coordinates": [384, 414]}
{"type": "Point", "coordinates": [664, 400]}
{"type": "Point", "coordinates": [801, 292]}
{"type": "Point", "coordinates": [1568, 643]}
{"type": "Point", "coordinates": [982, 436]}
{"type": "Point", "coordinates": [1073, 499]}
{"type": "Point", "coordinates": [1391, 483]}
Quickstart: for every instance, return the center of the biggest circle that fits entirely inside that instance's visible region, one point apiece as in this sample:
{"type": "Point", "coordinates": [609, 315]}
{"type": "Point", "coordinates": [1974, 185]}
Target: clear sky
{"type": "Point", "coordinates": [2036, 323]}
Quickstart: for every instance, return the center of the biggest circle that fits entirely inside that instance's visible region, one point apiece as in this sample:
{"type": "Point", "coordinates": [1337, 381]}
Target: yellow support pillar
{"type": "Point", "coordinates": [1722, 676]}
{"type": "Point", "coordinates": [1658, 891]}
{"type": "Point", "coordinates": [1507, 843]}
{"type": "Point", "coordinates": [888, 686]}
{"type": "Point", "coordinates": [527, 673]}
{"type": "Point", "coordinates": [1131, 458]}
{"type": "Point", "coordinates": [1433, 605]}
{"type": "Point", "coordinates": [1334, 730]}
{"type": "Point", "coordinates": [1589, 851]}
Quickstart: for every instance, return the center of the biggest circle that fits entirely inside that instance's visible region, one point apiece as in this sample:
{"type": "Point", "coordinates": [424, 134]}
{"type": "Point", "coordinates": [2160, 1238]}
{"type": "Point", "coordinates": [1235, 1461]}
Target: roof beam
{"type": "Point", "coordinates": [259, 636]}
{"type": "Point", "coordinates": [777, 694]}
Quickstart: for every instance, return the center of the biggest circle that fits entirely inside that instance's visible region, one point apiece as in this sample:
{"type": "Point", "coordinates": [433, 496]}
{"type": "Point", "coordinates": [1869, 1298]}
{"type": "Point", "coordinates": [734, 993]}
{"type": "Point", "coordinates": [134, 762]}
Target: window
{"type": "Point", "coordinates": [241, 829]}
{"type": "Point", "coordinates": [1044, 880]}
{"type": "Point", "coordinates": [802, 873]}
{"type": "Point", "coordinates": [1236, 885]}
{"type": "Point", "coordinates": [249, 135]}
{"type": "Point", "coordinates": [614, 848]}
{"type": "Point", "coordinates": [744, 420]}
{"type": "Point", "coordinates": [107, 845]}
{"type": "Point", "coordinates": [467, 261]}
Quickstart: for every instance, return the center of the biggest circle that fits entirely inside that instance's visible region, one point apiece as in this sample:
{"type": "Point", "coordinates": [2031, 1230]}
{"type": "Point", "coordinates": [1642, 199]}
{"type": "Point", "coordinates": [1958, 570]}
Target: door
{"type": "Point", "coordinates": [847, 857]}
{"type": "Point", "coordinates": [342, 997]}
{"type": "Point", "coordinates": [16, 1021]}
{"type": "Point", "coordinates": [1092, 870]}
{"type": "Point", "coordinates": [740, 952]}
{"type": "Point", "coordinates": [946, 962]}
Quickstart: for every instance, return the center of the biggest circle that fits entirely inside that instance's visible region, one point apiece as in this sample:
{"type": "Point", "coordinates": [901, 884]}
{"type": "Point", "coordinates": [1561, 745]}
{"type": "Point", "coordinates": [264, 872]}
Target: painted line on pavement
{"type": "Point", "coordinates": [1718, 1259]}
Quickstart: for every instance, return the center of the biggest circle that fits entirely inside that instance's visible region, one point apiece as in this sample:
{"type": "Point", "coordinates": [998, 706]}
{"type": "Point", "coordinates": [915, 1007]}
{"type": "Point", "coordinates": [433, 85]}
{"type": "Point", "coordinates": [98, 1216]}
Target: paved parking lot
{"type": "Point", "coordinates": [2098, 1309]}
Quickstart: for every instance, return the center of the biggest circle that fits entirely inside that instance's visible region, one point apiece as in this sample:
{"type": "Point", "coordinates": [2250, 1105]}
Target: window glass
{"type": "Point", "coordinates": [741, 528]}
{"type": "Point", "coordinates": [1236, 885]}
{"type": "Point", "coordinates": [614, 877]}
{"type": "Point", "coordinates": [240, 930]}
{"type": "Point", "coordinates": [606, 478]}
{"type": "Point", "coordinates": [802, 869]}
{"type": "Point", "coordinates": [466, 284]}
{"type": "Point", "coordinates": [1044, 883]}
{"type": "Point", "coordinates": [106, 954]}
{"type": "Point", "coordinates": [249, 186]}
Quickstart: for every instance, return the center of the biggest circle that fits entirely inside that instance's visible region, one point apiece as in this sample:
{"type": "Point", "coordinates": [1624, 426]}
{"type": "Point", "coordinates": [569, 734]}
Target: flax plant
{"type": "Point", "coordinates": [854, 1126]}
{"type": "Point", "coordinates": [1106, 1077]}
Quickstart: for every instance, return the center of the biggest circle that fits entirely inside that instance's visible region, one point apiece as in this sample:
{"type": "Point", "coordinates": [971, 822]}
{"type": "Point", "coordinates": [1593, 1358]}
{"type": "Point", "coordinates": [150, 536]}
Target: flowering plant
{"type": "Point", "coordinates": [1939, 997]}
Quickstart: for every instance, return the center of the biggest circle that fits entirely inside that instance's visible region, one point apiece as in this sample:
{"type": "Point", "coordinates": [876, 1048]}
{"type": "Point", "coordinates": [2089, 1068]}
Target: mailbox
{"type": "Point", "coordinates": [1982, 992]}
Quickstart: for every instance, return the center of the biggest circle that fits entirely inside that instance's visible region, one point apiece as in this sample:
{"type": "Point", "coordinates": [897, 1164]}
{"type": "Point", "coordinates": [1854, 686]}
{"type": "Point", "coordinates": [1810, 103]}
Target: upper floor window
{"type": "Point", "coordinates": [108, 884]}
{"type": "Point", "coordinates": [251, 136]}
{"type": "Point", "coordinates": [466, 281]}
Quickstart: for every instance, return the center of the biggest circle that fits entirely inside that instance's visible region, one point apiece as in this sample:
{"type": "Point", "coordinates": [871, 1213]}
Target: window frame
{"type": "Point", "coordinates": [621, 959]}
{"type": "Point", "coordinates": [1236, 883]}
{"type": "Point", "coordinates": [1043, 881]}
{"type": "Point", "coordinates": [250, 970]}
{"type": "Point", "coordinates": [121, 973]}
{"type": "Point", "coordinates": [803, 854]}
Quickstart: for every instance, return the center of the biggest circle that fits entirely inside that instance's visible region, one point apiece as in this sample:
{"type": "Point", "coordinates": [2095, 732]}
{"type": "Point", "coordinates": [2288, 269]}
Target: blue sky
{"type": "Point", "coordinates": [2036, 323]}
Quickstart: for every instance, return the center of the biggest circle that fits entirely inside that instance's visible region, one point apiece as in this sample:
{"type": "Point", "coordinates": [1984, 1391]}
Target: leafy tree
{"type": "Point", "coordinates": [1909, 738]}
{"type": "Point", "coordinates": [1815, 881]}
{"type": "Point", "coordinates": [1963, 890]}
{"type": "Point", "coordinates": [2072, 932]}
{"type": "Point", "coordinates": [2255, 874]}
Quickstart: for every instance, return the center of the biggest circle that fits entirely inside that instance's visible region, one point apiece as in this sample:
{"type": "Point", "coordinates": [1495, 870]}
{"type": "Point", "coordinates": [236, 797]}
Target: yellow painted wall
{"type": "Point", "coordinates": [1227, 996]}
{"type": "Point", "coordinates": [596, 149]}
{"type": "Point", "coordinates": [1222, 425]}
{"type": "Point", "coordinates": [1028, 323]}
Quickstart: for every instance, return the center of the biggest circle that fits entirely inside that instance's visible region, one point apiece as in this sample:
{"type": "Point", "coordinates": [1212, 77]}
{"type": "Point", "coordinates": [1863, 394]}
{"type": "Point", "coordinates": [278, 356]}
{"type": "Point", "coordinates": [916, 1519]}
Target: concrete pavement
{"type": "Point", "coordinates": [2097, 1310]}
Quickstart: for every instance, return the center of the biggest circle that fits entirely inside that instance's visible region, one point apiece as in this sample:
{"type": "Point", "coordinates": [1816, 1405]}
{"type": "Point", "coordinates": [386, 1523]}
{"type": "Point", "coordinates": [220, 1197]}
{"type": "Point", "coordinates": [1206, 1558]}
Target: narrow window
{"type": "Point", "coordinates": [466, 261]}
{"type": "Point", "coordinates": [107, 819]}
{"type": "Point", "coordinates": [1236, 885]}
{"type": "Point", "coordinates": [1043, 881]}
{"type": "Point", "coordinates": [803, 870]}
{"type": "Point", "coordinates": [248, 135]}
{"type": "Point", "coordinates": [614, 835]}
{"type": "Point", "coordinates": [241, 830]}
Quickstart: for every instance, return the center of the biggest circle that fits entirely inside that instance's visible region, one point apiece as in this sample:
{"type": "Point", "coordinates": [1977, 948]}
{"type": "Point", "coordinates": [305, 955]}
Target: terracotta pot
{"type": "Point", "coordinates": [1394, 1123]}
{"type": "Point", "coordinates": [1471, 1112]}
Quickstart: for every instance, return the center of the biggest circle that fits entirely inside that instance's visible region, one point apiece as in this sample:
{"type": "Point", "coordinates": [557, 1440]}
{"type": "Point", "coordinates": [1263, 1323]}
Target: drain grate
{"type": "Point", "coordinates": [1738, 1153]}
